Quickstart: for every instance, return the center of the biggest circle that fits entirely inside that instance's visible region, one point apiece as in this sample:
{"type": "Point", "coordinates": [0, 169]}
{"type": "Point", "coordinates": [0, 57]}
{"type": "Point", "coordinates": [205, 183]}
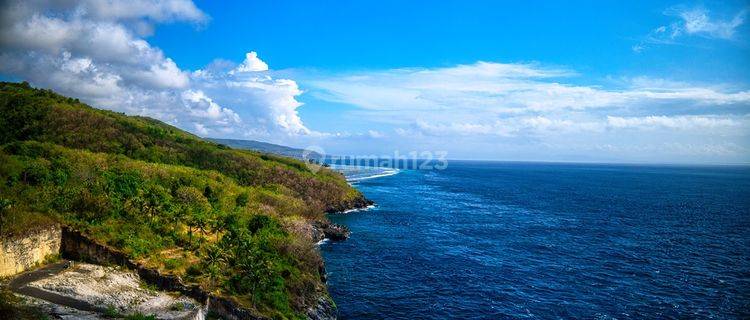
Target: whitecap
{"type": "Point", "coordinates": [359, 209]}
{"type": "Point", "coordinates": [354, 174]}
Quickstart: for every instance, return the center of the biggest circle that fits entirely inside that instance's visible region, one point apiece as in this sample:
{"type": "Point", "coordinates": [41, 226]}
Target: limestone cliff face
{"type": "Point", "coordinates": [21, 252]}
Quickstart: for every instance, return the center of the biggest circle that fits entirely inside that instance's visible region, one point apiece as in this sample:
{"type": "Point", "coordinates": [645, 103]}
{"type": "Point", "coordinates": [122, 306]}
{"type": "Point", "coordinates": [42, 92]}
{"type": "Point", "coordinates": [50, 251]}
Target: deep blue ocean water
{"type": "Point", "coordinates": [493, 240]}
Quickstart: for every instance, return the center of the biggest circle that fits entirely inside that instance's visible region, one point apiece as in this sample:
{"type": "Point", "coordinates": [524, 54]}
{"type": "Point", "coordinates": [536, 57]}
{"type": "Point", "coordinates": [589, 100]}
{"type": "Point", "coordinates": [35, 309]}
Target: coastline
{"type": "Point", "coordinates": [321, 232]}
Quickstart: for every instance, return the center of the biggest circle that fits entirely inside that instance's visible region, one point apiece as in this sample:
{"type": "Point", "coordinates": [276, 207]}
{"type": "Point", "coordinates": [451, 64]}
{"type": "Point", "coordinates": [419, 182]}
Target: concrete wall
{"type": "Point", "coordinates": [21, 252]}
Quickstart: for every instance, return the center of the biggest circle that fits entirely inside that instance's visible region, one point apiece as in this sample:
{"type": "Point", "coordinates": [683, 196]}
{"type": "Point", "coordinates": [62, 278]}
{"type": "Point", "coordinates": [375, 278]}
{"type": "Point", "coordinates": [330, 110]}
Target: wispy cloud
{"type": "Point", "coordinates": [486, 89]}
{"type": "Point", "coordinates": [697, 21]}
{"type": "Point", "coordinates": [694, 21]}
{"type": "Point", "coordinates": [541, 126]}
{"type": "Point", "coordinates": [682, 122]}
{"type": "Point", "coordinates": [517, 104]}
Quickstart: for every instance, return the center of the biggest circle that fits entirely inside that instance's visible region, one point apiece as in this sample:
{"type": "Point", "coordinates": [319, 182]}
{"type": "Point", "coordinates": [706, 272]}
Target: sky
{"type": "Point", "coordinates": [588, 81]}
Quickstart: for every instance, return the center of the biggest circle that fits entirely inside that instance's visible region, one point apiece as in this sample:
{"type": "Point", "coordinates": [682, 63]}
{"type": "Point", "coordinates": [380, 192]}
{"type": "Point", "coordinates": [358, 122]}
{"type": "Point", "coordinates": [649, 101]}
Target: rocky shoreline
{"type": "Point", "coordinates": [357, 203]}
{"type": "Point", "coordinates": [326, 230]}
{"type": "Point", "coordinates": [325, 309]}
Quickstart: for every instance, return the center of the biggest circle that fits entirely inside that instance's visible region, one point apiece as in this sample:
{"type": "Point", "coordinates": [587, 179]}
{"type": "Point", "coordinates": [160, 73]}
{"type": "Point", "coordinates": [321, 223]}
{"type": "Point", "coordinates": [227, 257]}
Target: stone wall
{"type": "Point", "coordinates": [22, 252]}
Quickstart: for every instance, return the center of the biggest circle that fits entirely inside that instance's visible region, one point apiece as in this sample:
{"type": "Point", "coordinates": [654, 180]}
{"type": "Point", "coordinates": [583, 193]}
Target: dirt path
{"type": "Point", "coordinates": [19, 285]}
{"type": "Point", "coordinates": [96, 289]}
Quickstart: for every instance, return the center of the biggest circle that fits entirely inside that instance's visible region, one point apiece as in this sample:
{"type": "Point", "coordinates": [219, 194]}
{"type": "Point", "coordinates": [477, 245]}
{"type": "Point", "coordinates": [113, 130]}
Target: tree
{"type": "Point", "coordinates": [254, 272]}
{"type": "Point", "coordinates": [193, 208]}
{"type": "Point", "coordinates": [156, 200]}
{"type": "Point", "coordinates": [253, 256]}
{"type": "Point", "coordinates": [201, 220]}
{"type": "Point", "coordinates": [214, 259]}
{"type": "Point", "coordinates": [217, 223]}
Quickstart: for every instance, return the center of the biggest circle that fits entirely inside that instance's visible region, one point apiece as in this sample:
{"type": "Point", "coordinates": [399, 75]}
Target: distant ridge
{"type": "Point", "coordinates": [268, 148]}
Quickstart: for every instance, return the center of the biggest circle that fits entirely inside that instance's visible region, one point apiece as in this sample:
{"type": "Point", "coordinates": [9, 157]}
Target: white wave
{"type": "Point", "coordinates": [359, 209]}
{"type": "Point", "coordinates": [380, 175]}
{"type": "Point", "coordinates": [359, 173]}
{"type": "Point", "coordinates": [324, 241]}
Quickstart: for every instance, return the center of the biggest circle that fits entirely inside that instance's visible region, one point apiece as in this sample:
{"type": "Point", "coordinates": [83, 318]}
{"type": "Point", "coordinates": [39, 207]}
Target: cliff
{"type": "Point", "coordinates": [21, 252]}
{"type": "Point", "coordinates": [216, 217]}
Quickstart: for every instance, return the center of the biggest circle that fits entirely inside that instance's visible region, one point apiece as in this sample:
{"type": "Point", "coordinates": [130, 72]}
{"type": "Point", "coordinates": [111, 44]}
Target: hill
{"type": "Point", "coordinates": [266, 147]}
{"type": "Point", "coordinates": [231, 221]}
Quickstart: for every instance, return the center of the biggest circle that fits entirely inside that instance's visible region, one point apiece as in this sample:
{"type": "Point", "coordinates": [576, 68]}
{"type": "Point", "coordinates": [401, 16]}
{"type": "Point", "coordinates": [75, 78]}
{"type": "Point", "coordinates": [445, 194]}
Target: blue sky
{"type": "Point", "coordinates": [602, 81]}
{"type": "Point", "coordinates": [595, 37]}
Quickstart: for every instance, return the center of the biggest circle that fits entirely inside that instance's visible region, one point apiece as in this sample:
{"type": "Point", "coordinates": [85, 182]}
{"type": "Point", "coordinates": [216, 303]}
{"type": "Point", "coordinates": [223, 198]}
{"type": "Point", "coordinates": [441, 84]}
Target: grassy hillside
{"type": "Point", "coordinates": [218, 217]}
{"type": "Point", "coordinates": [42, 115]}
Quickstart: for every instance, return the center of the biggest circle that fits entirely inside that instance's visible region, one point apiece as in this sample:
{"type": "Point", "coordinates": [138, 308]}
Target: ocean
{"type": "Point", "coordinates": [496, 240]}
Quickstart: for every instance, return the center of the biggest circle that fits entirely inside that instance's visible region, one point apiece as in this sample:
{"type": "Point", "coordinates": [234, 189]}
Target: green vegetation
{"type": "Point", "coordinates": [112, 312]}
{"type": "Point", "coordinates": [215, 216]}
{"type": "Point", "coordinates": [15, 222]}
{"type": "Point", "coordinates": [140, 316]}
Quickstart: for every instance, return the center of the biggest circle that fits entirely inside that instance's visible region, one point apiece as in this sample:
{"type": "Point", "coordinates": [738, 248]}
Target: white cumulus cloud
{"type": "Point", "coordinates": [251, 64]}
{"type": "Point", "coordinates": [94, 50]}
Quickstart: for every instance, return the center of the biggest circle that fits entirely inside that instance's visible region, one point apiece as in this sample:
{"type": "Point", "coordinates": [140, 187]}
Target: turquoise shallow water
{"type": "Point", "coordinates": [489, 240]}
